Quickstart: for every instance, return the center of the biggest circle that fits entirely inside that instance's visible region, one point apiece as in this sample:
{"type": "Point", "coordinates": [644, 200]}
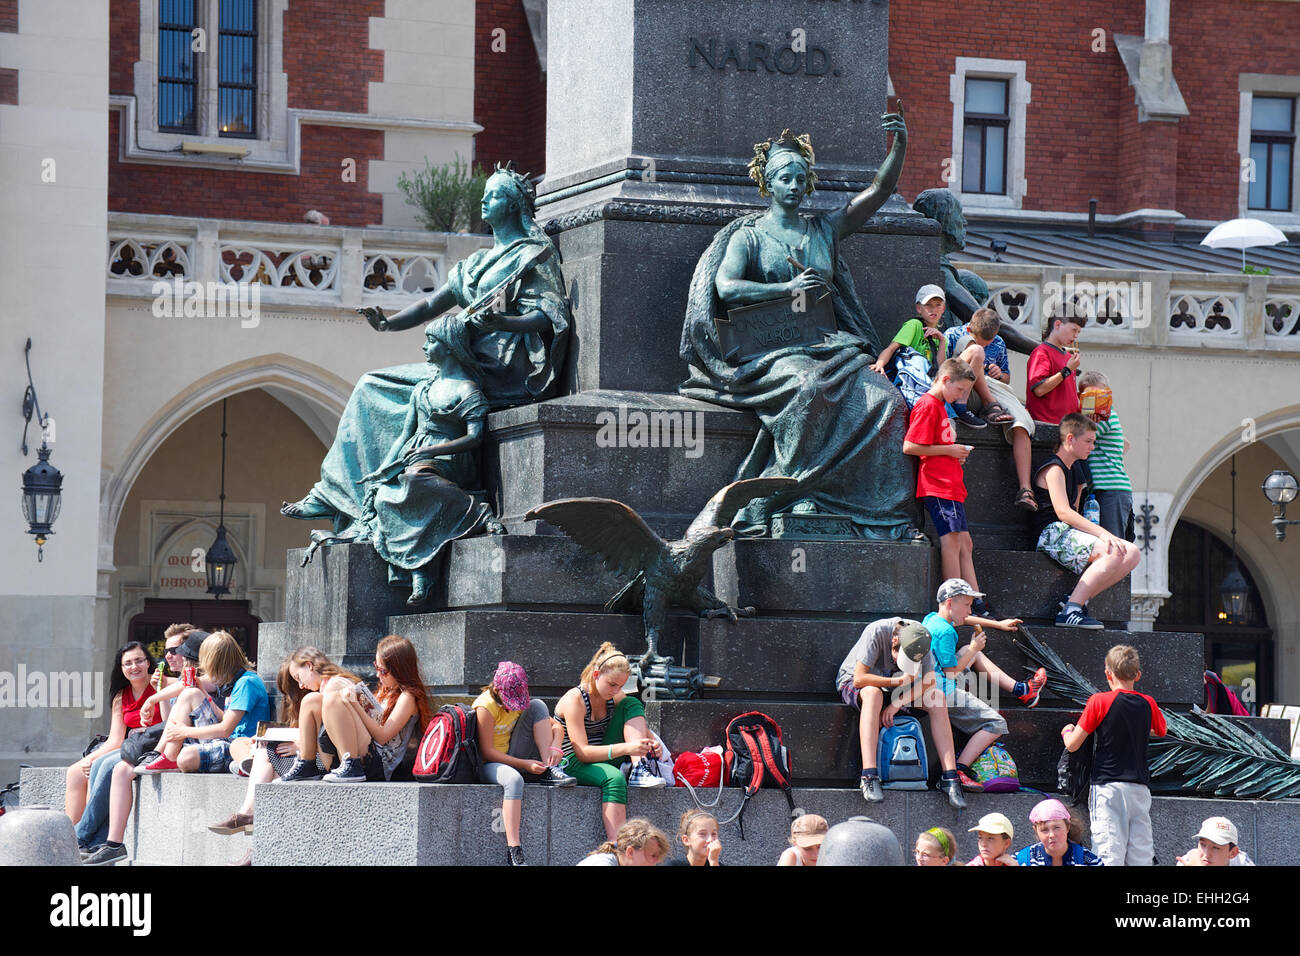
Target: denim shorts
{"type": "Point", "coordinates": [948, 516]}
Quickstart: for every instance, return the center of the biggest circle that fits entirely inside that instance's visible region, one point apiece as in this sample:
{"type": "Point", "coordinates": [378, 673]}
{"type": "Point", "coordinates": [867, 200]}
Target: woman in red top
{"type": "Point", "coordinates": [128, 688]}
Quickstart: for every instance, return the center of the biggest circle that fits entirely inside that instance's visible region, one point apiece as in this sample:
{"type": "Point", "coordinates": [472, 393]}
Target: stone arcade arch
{"type": "Point", "coordinates": [314, 396]}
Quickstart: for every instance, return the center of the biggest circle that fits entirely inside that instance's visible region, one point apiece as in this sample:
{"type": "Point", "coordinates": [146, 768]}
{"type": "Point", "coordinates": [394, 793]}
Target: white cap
{"type": "Point", "coordinates": [928, 292]}
{"type": "Point", "coordinates": [1219, 830]}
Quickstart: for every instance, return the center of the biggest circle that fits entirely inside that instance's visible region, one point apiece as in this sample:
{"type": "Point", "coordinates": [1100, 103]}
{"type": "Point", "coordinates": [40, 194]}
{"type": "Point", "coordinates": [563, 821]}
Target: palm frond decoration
{"type": "Point", "coordinates": [1200, 754]}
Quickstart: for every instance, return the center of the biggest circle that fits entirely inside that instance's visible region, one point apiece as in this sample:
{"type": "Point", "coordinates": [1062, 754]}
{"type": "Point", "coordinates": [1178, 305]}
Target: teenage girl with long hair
{"type": "Point", "coordinates": [602, 727]}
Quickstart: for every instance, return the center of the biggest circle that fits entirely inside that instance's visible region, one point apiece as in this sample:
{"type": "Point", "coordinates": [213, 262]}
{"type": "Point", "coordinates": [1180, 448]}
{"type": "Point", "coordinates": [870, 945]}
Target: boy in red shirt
{"type": "Point", "coordinates": [939, 484]}
{"type": "Point", "coordinates": [1119, 801]}
{"type": "Point", "coordinates": [1051, 395]}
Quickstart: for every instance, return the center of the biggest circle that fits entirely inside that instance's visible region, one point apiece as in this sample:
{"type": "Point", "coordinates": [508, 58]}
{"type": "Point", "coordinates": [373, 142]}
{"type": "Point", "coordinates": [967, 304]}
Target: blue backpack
{"type": "Point", "coordinates": [901, 757]}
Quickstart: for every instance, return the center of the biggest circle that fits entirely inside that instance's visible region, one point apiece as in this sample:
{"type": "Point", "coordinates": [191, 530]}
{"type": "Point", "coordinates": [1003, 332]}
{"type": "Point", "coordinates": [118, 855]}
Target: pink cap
{"type": "Point", "coordinates": [1049, 809]}
{"type": "Point", "coordinates": [511, 684]}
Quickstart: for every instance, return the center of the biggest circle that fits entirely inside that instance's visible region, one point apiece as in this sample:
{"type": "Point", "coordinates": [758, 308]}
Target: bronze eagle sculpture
{"type": "Point", "coordinates": [664, 573]}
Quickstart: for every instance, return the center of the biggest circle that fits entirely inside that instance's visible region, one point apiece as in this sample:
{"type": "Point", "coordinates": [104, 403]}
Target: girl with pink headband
{"type": "Point", "coordinates": [1059, 835]}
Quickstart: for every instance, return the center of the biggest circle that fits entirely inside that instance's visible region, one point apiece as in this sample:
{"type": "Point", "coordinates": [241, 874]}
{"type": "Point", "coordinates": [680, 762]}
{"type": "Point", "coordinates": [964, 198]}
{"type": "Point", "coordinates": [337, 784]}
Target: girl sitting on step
{"type": "Point", "coordinates": [370, 745]}
{"type": "Point", "coordinates": [602, 726]}
{"type": "Point", "coordinates": [268, 762]}
{"type": "Point", "coordinates": [516, 736]}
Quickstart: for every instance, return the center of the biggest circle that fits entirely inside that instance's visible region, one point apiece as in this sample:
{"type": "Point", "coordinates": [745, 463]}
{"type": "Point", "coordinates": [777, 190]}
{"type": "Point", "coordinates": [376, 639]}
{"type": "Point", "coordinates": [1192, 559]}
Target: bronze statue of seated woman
{"type": "Point", "coordinates": [828, 420]}
{"type": "Point", "coordinates": [516, 319]}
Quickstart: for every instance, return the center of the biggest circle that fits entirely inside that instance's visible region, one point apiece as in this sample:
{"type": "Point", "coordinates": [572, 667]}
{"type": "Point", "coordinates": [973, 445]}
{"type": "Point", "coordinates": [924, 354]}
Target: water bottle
{"type": "Point", "coordinates": [1092, 510]}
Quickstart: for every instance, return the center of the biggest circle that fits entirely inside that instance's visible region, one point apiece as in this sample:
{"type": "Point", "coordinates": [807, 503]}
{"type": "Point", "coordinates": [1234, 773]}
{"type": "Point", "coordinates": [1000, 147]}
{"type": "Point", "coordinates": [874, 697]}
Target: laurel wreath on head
{"type": "Point", "coordinates": [802, 144]}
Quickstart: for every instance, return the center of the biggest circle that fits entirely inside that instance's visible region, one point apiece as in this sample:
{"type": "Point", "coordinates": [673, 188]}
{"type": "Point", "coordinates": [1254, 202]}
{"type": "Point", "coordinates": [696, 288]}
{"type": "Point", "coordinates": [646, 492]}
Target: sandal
{"type": "Point", "coordinates": [1025, 499]}
{"type": "Point", "coordinates": [995, 414]}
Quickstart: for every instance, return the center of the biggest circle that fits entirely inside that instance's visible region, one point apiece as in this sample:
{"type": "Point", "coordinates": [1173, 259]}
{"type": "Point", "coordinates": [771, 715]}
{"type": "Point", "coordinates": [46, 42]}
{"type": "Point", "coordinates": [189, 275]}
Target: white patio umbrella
{"type": "Point", "coordinates": [1243, 234]}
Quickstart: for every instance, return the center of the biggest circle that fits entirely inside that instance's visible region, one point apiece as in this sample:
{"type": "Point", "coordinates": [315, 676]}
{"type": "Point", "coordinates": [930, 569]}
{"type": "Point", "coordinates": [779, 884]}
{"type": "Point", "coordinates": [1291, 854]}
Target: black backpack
{"type": "Point", "coordinates": [449, 751]}
{"type": "Point", "coordinates": [753, 756]}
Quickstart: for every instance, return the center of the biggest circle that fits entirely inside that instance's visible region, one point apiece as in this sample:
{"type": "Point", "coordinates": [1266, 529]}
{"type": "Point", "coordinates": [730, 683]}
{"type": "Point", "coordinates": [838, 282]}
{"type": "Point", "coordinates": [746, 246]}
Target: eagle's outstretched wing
{"type": "Point", "coordinates": [722, 507]}
{"type": "Point", "coordinates": [609, 528]}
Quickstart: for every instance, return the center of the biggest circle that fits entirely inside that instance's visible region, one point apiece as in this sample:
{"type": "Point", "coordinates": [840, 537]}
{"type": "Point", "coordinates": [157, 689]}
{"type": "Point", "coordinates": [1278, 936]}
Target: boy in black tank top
{"type": "Point", "coordinates": [1066, 536]}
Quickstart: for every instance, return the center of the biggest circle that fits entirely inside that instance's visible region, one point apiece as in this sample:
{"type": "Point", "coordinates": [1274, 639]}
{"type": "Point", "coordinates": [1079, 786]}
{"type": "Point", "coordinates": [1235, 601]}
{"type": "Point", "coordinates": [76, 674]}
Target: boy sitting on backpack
{"type": "Point", "coordinates": [892, 658]}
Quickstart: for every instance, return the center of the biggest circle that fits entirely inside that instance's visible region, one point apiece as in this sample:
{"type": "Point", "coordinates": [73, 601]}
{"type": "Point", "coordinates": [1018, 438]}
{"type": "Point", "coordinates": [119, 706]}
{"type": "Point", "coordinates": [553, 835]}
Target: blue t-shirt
{"type": "Point", "coordinates": [995, 351]}
{"type": "Point", "coordinates": [943, 645]}
{"type": "Point", "coordinates": [248, 695]}
{"type": "Point", "coordinates": [1076, 855]}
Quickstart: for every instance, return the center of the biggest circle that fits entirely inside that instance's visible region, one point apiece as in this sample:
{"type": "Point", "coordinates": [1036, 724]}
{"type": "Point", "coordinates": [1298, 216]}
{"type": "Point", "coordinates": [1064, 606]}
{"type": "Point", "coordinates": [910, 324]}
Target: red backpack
{"type": "Point", "coordinates": [753, 756]}
{"type": "Point", "coordinates": [449, 751]}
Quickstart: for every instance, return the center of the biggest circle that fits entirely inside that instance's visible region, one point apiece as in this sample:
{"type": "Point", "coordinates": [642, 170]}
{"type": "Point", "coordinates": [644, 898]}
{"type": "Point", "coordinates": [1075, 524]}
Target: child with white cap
{"type": "Point", "coordinates": [1059, 835]}
{"type": "Point", "coordinates": [1216, 845]}
{"type": "Point", "coordinates": [995, 834]}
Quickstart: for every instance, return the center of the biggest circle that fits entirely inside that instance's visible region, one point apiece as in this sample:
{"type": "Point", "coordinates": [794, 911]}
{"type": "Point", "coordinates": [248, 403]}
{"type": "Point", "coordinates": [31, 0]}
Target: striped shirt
{"type": "Point", "coordinates": [595, 728]}
{"type": "Point", "coordinates": [1107, 459]}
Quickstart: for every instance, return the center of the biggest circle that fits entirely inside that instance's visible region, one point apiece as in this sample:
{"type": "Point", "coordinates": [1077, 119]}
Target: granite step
{"type": "Point", "coordinates": [317, 824]}
{"type": "Point", "coordinates": [823, 736]}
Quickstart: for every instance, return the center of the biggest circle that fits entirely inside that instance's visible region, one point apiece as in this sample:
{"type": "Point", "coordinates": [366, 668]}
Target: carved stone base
{"type": "Point", "coordinates": [1144, 608]}
{"type": "Point", "coordinates": [817, 527]}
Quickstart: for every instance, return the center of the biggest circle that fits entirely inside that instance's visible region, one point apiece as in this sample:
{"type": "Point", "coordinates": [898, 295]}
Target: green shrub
{"type": "Point", "coordinates": [447, 197]}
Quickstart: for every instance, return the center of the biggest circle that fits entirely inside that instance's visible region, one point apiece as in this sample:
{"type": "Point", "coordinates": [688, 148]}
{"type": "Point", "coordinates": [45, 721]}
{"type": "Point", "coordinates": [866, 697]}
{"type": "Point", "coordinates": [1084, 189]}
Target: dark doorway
{"type": "Point", "coordinates": [1236, 650]}
{"type": "Point", "coordinates": [148, 626]}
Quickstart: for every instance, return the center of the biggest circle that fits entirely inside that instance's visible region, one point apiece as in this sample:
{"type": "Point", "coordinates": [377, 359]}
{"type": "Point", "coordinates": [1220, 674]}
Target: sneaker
{"type": "Point", "coordinates": [555, 777]}
{"type": "Point", "coordinates": [237, 768]}
{"type": "Point", "coordinates": [515, 854]}
{"type": "Point", "coordinates": [981, 608]}
{"type": "Point", "coordinates": [161, 765]}
{"type": "Point", "coordinates": [235, 823]}
{"type": "Point", "coordinates": [1078, 617]}
{"type": "Point", "coordinates": [105, 856]}
{"type": "Point", "coordinates": [148, 758]}
{"type": "Point", "coordinates": [88, 851]}
{"type": "Point", "coordinates": [302, 770]}
{"type": "Point", "coordinates": [969, 783]}
{"type": "Point", "coordinates": [872, 792]}
{"type": "Point", "coordinates": [645, 775]}
{"type": "Point", "coordinates": [952, 787]}
{"type": "Point", "coordinates": [970, 419]}
{"type": "Point", "coordinates": [1030, 697]}
{"type": "Point", "coordinates": [351, 770]}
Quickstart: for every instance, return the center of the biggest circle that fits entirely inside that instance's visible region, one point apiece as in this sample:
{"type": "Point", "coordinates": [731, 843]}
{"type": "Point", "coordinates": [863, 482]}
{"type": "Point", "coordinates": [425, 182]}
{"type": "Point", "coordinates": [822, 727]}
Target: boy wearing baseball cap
{"type": "Point", "coordinates": [892, 660]}
{"type": "Point", "coordinates": [967, 712]}
{"type": "Point", "coordinates": [924, 349]}
{"type": "Point", "coordinates": [1216, 845]}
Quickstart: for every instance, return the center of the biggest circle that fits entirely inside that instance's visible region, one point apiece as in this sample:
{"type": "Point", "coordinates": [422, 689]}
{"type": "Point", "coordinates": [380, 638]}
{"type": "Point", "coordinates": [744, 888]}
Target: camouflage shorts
{"type": "Point", "coordinates": [1068, 547]}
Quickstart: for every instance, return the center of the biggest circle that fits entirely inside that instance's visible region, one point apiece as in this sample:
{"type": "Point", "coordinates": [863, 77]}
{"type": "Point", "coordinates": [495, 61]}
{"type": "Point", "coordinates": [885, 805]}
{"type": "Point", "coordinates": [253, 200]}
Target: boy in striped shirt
{"type": "Point", "coordinates": [1110, 481]}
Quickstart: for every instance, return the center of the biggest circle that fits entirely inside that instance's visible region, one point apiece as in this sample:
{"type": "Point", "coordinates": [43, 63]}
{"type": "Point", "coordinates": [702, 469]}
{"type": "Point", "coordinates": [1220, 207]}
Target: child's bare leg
{"type": "Point", "coordinates": [978, 743]}
{"type": "Point", "coordinates": [613, 815]}
{"type": "Point", "coordinates": [974, 357]}
{"type": "Point", "coordinates": [935, 704]}
{"type": "Point", "coordinates": [966, 558]}
{"type": "Point", "coordinates": [1106, 570]}
{"type": "Point", "coordinates": [1021, 452]}
{"type": "Point", "coordinates": [189, 699]}
{"type": "Point", "coordinates": [635, 730]}
{"type": "Point", "coordinates": [870, 699]}
{"type": "Point", "coordinates": [343, 725]}
{"type": "Point", "coordinates": [512, 814]}
{"type": "Point", "coordinates": [309, 724]}
{"type": "Point", "coordinates": [950, 554]}
{"type": "Point", "coordinates": [984, 664]}
{"type": "Point", "coordinates": [262, 773]}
